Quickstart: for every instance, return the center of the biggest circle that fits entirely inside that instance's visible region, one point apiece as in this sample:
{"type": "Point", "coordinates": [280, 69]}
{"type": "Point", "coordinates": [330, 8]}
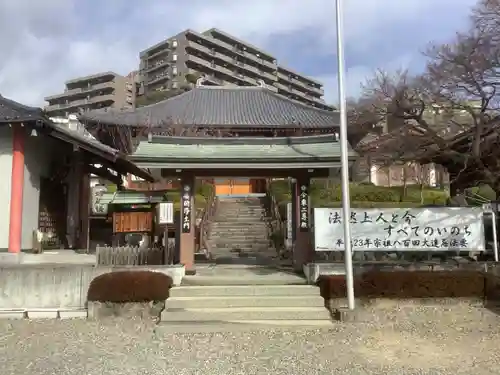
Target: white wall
{"type": "Point", "coordinates": [5, 184]}
{"type": "Point", "coordinates": [37, 158]}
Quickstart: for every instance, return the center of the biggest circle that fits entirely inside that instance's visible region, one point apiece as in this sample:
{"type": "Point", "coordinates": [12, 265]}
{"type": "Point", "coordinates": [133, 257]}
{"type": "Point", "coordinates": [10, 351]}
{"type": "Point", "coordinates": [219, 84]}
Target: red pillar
{"type": "Point", "coordinates": [17, 188]}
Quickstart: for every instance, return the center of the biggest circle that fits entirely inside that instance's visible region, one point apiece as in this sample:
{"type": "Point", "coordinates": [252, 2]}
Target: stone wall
{"type": "Point", "coordinates": [54, 287]}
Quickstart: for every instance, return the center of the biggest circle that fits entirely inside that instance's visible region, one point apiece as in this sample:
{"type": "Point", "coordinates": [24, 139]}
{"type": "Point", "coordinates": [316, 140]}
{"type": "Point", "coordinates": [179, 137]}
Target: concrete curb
{"type": "Point", "coordinates": [42, 313]}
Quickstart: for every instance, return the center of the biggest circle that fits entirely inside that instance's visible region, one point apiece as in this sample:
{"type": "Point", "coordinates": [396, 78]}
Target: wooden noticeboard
{"type": "Point", "coordinates": [127, 222]}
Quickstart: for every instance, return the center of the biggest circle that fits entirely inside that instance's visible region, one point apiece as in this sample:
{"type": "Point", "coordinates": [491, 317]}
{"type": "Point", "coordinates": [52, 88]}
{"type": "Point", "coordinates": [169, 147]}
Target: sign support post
{"type": "Point", "coordinates": [346, 200]}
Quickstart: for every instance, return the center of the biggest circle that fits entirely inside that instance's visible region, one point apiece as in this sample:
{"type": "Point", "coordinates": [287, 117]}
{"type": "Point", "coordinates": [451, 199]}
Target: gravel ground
{"type": "Point", "coordinates": [423, 340]}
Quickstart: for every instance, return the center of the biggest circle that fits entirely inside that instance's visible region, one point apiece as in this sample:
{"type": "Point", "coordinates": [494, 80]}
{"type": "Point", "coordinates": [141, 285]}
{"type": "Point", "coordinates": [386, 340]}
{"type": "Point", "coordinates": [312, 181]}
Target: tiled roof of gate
{"type": "Point", "coordinates": [208, 150]}
{"type": "Point", "coordinates": [11, 111]}
{"type": "Point", "coordinates": [221, 106]}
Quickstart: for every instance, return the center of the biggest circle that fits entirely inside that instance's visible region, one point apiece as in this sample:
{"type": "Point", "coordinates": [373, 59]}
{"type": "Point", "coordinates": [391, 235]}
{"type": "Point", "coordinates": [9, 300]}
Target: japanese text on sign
{"type": "Point", "coordinates": [421, 229]}
{"type": "Point", "coordinates": [186, 209]}
{"type": "Point", "coordinates": [304, 208]}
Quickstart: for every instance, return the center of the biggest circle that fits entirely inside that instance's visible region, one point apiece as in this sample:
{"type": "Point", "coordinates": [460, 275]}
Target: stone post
{"type": "Point", "coordinates": [187, 224]}
{"type": "Point", "coordinates": [302, 250]}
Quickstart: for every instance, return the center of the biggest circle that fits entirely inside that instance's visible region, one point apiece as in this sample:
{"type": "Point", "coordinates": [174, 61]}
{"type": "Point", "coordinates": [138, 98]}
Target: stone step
{"type": "Point", "coordinates": [222, 258]}
{"type": "Point", "coordinates": [235, 240]}
{"type": "Point", "coordinates": [245, 301]}
{"type": "Point", "coordinates": [240, 219]}
{"type": "Point", "coordinates": [238, 326]}
{"type": "Point", "coordinates": [241, 231]}
{"type": "Point", "coordinates": [234, 226]}
{"type": "Point", "coordinates": [255, 201]}
{"type": "Point", "coordinates": [223, 207]}
{"type": "Point", "coordinates": [241, 212]}
{"type": "Point", "coordinates": [242, 236]}
{"type": "Point", "coordinates": [224, 314]}
{"type": "Point", "coordinates": [240, 246]}
{"type": "Point", "coordinates": [241, 250]}
{"type": "Point", "coordinates": [289, 285]}
{"type": "Point", "coordinates": [240, 241]}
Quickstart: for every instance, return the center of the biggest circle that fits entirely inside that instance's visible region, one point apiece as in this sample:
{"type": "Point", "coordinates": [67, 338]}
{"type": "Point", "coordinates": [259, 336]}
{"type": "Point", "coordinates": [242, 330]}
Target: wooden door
{"type": "Point", "coordinates": [222, 186]}
{"type": "Point", "coordinates": [240, 186]}
{"type": "Point", "coordinates": [234, 186]}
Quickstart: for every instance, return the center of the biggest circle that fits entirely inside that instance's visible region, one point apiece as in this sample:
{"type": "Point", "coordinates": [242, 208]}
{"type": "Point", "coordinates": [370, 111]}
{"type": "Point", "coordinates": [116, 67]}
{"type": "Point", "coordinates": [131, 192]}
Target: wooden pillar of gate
{"type": "Point", "coordinates": [187, 223]}
{"type": "Point", "coordinates": [301, 210]}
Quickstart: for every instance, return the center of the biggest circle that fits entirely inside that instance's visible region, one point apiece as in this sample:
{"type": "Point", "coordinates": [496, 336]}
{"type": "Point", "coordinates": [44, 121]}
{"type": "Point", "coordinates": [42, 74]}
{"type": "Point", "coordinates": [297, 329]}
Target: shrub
{"type": "Point", "coordinates": [492, 292]}
{"type": "Point", "coordinates": [204, 190]}
{"type": "Point", "coordinates": [359, 193]}
{"type": "Point", "coordinates": [407, 284]}
{"type": "Point", "coordinates": [479, 194]}
{"type": "Point", "coordinates": [425, 195]}
{"type": "Point", "coordinates": [130, 286]}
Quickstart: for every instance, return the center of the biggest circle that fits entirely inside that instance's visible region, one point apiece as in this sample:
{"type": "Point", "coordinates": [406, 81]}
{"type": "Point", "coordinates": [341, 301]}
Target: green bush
{"type": "Point", "coordinates": [130, 286]}
{"type": "Point", "coordinates": [204, 190]}
{"type": "Point", "coordinates": [480, 194]}
{"type": "Point", "coordinates": [323, 196]}
{"type": "Point", "coordinates": [111, 188]}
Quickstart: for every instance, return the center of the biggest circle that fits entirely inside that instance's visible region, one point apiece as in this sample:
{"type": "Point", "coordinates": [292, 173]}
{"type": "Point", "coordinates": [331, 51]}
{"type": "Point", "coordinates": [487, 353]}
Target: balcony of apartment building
{"type": "Point", "coordinates": [219, 71]}
{"type": "Point", "coordinates": [101, 99]}
{"type": "Point", "coordinates": [234, 70]}
{"type": "Point", "coordinates": [236, 52]}
{"type": "Point", "coordinates": [233, 45]}
{"type": "Point", "coordinates": [157, 78]}
{"type": "Point", "coordinates": [249, 67]}
{"type": "Point", "coordinates": [158, 63]}
{"type": "Point", "coordinates": [159, 50]}
{"type": "Point", "coordinates": [302, 97]}
{"type": "Point", "coordinates": [309, 86]}
{"type": "Point", "coordinates": [78, 88]}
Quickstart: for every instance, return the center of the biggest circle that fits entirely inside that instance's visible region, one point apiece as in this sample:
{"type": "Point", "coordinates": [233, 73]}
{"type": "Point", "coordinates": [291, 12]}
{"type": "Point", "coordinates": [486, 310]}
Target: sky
{"type": "Point", "coordinates": [44, 43]}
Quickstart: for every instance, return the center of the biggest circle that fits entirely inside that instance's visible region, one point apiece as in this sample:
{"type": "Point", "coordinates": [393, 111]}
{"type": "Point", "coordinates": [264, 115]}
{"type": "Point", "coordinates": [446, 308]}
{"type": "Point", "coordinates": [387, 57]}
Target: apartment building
{"type": "Point", "coordinates": [222, 59]}
{"type": "Point", "coordinates": [102, 90]}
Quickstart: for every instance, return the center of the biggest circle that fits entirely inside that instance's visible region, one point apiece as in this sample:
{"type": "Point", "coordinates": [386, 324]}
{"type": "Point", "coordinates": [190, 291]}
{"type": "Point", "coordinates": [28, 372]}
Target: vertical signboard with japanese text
{"type": "Point", "coordinates": [304, 207]}
{"type": "Point", "coordinates": [400, 229]}
{"type": "Point", "coordinates": [186, 208]}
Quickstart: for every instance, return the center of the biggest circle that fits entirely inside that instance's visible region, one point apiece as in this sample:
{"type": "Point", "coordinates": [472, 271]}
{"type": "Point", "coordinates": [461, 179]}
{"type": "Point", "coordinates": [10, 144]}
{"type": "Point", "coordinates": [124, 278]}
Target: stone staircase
{"type": "Point", "coordinates": [240, 232]}
{"type": "Point", "coordinates": [247, 296]}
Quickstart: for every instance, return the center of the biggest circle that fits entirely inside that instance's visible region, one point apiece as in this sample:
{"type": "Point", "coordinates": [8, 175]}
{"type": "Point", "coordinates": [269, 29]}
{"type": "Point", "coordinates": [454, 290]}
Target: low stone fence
{"type": "Point", "coordinates": [56, 290]}
{"type": "Point", "coordinates": [313, 271]}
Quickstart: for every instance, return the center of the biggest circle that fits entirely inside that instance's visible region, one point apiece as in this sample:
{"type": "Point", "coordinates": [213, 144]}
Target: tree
{"type": "Point", "coordinates": [449, 114]}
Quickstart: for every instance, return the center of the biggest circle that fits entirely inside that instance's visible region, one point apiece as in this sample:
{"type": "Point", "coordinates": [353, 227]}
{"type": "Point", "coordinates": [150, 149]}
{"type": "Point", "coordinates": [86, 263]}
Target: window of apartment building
{"type": "Point", "coordinates": [174, 43]}
{"type": "Point", "coordinates": [174, 57]}
{"type": "Point", "coordinates": [174, 70]}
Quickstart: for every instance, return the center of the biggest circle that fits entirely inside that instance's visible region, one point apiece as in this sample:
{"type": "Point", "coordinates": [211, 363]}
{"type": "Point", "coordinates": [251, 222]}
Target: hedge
{"type": "Point", "coordinates": [322, 196]}
{"type": "Point", "coordinates": [130, 286]}
{"type": "Point", "coordinates": [407, 284]}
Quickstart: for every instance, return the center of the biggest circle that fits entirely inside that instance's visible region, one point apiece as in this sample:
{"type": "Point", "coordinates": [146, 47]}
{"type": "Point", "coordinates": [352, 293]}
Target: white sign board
{"type": "Point", "coordinates": [98, 208]}
{"type": "Point", "coordinates": [165, 213]}
{"type": "Point", "coordinates": [399, 229]}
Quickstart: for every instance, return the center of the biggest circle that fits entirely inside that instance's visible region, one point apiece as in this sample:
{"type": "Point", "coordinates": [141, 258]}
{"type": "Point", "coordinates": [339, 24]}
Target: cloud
{"type": "Point", "coordinates": [44, 43]}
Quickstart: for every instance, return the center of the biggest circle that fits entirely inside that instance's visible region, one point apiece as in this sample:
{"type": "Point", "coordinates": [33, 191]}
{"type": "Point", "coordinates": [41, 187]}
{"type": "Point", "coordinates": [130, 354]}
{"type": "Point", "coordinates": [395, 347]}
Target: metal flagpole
{"type": "Point", "coordinates": [346, 200]}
